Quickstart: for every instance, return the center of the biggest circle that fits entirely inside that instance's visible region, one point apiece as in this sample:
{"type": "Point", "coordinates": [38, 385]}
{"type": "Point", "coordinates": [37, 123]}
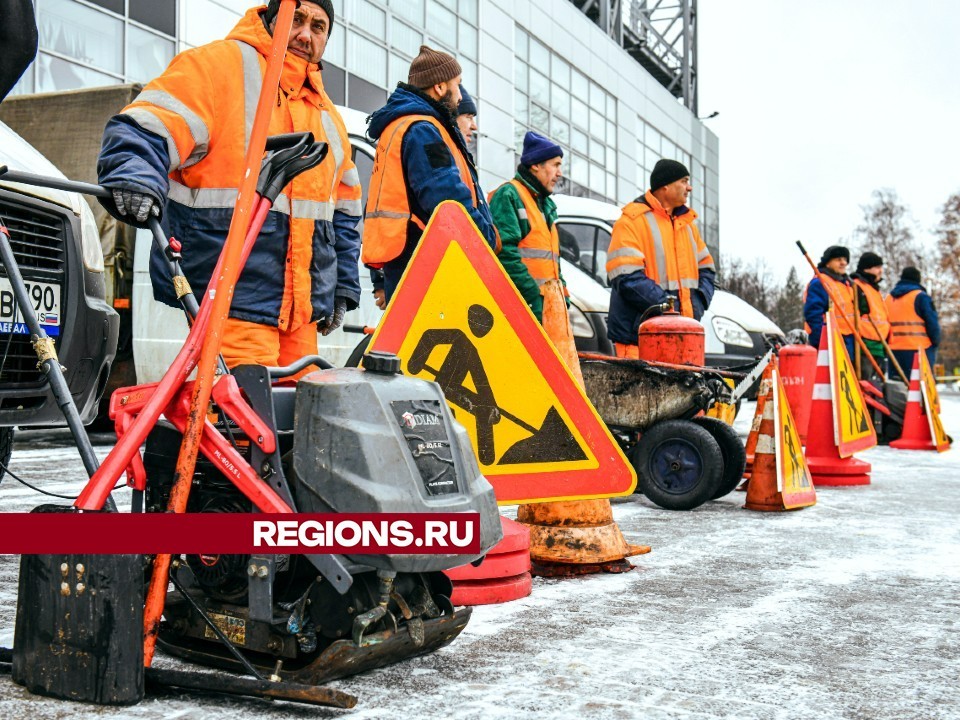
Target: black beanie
{"type": "Point", "coordinates": [868, 260]}
{"type": "Point", "coordinates": [910, 274]}
{"type": "Point", "coordinates": [273, 7]}
{"type": "Point", "coordinates": [666, 172]}
{"type": "Point", "coordinates": [833, 252]}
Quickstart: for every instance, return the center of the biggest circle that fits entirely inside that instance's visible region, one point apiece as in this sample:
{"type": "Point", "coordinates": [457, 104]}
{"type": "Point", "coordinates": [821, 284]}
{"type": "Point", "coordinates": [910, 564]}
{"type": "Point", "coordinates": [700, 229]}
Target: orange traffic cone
{"type": "Point", "coordinates": [572, 537]}
{"type": "Point", "coordinates": [762, 493]}
{"type": "Point", "coordinates": [823, 457]}
{"type": "Point", "coordinates": [751, 444]}
{"type": "Point", "coordinates": [916, 428]}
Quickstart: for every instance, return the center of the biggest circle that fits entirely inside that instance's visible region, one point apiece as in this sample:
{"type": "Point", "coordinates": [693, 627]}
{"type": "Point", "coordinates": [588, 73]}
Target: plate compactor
{"type": "Point", "coordinates": [348, 440]}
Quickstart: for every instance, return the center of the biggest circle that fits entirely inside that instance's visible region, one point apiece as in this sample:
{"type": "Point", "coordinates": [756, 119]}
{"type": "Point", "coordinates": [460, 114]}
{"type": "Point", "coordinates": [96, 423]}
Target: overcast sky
{"type": "Point", "coordinates": [821, 102]}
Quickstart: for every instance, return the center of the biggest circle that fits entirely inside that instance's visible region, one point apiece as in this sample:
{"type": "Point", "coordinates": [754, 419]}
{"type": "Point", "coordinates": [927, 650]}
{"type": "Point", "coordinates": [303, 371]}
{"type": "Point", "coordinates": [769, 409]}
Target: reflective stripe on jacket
{"type": "Point", "coordinates": [199, 115]}
{"type": "Point", "coordinates": [388, 212]}
{"type": "Point", "coordinates": [907, 329]}
{"type": "Point", "coordinates": [540, 248]}
{"type": "Point", "coordinates": [668, 248]}
{"type": "Point", "coordinates": [878, 314]}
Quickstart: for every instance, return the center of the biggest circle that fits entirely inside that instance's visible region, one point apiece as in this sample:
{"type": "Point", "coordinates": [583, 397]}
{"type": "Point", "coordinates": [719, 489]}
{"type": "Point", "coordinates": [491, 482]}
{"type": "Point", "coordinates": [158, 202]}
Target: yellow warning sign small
{"type": "Point", "coordinates": [794, 481]}
{"type": "Point", "coordinates": [852, 427]}
{"type": "Point", "coordinates": [931, 404]}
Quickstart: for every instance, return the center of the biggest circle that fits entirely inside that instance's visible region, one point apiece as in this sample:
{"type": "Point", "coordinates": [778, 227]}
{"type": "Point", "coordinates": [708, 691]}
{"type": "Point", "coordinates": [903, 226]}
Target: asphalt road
{"type": "Point", "coordinates": [849, 609]}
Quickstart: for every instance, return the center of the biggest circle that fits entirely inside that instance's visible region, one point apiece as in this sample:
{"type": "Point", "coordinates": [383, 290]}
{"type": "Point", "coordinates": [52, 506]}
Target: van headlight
{"type": "Point", "coordinates": [90, 240]}
{"type": "Point", "coordinates": [582, 328]}
{"type": "Point", "coordinates": [731, 333]}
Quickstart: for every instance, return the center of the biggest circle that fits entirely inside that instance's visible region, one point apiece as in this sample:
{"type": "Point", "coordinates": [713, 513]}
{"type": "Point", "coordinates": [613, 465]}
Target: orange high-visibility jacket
{"type": "Point", "coordinates": [388, 212]}
{"type": "Point", "coordinates": [878, 313]}
{"type": "Point", "coordinates": [907, 329]}
{"type": "Point", "coordinates": [843, 306]}
{"type": "Point", "coordinates": [203, 107]}
{"type": "Point", "coordinates": [668, 248]}
{"type": "Point", "coordinates": [540, 248]}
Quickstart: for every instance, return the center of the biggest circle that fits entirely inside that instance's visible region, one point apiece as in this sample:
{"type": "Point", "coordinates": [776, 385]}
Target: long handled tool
{"type": "Point", "coordinates": [886, 348]}
{"type": "Point", "coordinates": [846, 320]}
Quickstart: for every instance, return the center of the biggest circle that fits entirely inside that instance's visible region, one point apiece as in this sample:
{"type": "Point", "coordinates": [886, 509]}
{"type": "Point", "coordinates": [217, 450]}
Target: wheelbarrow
{"type": "Point", "coordinates": [682, 458]}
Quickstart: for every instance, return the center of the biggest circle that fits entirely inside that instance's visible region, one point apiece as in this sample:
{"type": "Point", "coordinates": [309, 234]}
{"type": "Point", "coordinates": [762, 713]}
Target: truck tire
{"type": "Point", "coordinates": [679, 465]}
{"type": "Point", "coordinates": [733, 451]}
{"type": "Point", "coordinates": [6, 448]}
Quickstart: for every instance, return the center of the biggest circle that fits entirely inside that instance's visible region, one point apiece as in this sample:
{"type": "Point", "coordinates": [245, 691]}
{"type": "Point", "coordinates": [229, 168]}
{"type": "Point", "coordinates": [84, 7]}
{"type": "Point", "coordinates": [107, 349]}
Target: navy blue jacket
{"type": "Point", "coordinates": [430, 173]}
{"type": "Point", "coordinates": [923, 306]}
{"type": "Point", "coordinates": [817, 303]}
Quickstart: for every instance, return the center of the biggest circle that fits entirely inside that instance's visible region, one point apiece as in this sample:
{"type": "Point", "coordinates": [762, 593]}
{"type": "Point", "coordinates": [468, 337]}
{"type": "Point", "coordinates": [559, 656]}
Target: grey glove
{"type": "Point", "coordinates": [336, 319]}
{"type": "Point", "coordinates": [138, 205]}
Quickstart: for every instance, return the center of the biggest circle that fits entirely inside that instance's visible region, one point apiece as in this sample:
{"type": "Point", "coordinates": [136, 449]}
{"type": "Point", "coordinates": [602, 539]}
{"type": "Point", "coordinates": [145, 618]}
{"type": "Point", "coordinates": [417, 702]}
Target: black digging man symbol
{"type": "Point", "coordinates": [858, 418]}
{"type": "Point", "coordinates": [551, 442]}
{"type": "Point", "coordinates": [796, 467]}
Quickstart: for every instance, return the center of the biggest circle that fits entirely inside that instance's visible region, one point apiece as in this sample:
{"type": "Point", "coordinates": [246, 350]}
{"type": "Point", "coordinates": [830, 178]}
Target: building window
{"type": "Point", "coordinates": [555, 99]}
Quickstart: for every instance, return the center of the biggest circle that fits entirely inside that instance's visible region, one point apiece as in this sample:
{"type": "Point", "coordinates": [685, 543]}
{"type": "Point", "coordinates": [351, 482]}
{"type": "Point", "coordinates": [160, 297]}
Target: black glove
{"type": "Point", "coordinates": [137, 205]}
{"type": "Point", "coordinates": [336, 319]}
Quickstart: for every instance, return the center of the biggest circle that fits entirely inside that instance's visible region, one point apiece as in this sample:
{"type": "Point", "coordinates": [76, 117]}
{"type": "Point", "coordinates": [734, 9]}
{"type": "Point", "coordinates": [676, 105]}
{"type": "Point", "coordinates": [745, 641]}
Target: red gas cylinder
{"type": "Point", "coordinates": [672, 338]}
{"type": "Point", "coordinates": [798, 368]}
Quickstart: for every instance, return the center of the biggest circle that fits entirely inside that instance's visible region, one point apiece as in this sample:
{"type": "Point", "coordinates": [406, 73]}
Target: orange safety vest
{"type": "Point", "coordinates": [388, 213]}
{"type": "Point", "coordinates": [878, 313]}
{"type": "Point", "coordinates": [668, 248]}
{"type": "Point", "coordinates": [540, 248]}
{"type": "Point", "coordinates": [907, 329]}
{"type": "Point", "coordinates": [843, 293]}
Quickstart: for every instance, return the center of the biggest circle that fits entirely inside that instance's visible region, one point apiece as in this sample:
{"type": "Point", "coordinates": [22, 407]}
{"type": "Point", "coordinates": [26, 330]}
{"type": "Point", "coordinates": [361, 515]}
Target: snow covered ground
{"type": "Point", "coordinates": [849, 609]}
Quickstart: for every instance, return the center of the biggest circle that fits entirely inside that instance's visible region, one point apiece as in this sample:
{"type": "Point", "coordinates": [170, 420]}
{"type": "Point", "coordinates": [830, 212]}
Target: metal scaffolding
{"type": "Point", "coordinates": [659, 34]}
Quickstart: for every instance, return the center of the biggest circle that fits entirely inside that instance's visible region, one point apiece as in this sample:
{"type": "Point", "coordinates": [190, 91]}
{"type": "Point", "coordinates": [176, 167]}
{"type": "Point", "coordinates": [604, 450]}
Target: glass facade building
{"type": "Point", "coordinates": [555, 72]}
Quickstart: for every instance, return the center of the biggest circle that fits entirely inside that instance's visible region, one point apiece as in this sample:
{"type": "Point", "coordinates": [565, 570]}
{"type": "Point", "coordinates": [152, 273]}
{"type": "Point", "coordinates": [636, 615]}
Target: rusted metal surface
{"type": "Point", "coordinates": [672, 338]}
{"type": "Point", "coordinates": [343, 658]}
{"type": "Point", "coordinates": [636, 394]}
{"type": "Point", "coordinates": [557, 569]}
{"type": "Point", "coordinates": [250, 687]}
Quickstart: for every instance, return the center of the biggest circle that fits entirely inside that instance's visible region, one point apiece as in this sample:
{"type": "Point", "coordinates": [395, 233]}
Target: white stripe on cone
{"type": "Point", "coordinates": [822, 392]}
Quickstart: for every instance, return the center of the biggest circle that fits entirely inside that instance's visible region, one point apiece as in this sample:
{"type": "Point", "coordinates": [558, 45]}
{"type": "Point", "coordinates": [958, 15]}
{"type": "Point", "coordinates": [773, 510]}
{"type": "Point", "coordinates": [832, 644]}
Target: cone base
{"type": "Point", "coordinates": [840, 480]}
{"type": "Point", "coordinates": [762, 507]}
{"type": "Point", "coordinates": [909, 444]}
{"type": "Point", "coordinates": [551, 569]}
{"type": "Point", "coordinates": [837, 466]}
{"type": "Point", "coordinates": [491, 591]}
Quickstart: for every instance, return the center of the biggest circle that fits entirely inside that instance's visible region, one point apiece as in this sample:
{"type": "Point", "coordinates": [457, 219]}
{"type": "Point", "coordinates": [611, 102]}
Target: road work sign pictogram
{"type": "Point", "coordinates": [853, 430]}
{"type": "Point", "coordinates": [457, 319]}
{"type": "Point", "coordinates": [794, 481]}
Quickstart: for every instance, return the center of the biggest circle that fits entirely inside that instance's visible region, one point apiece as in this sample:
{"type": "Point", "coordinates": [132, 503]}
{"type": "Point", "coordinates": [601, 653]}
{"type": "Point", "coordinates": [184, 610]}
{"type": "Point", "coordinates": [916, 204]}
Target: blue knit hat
{"type": "Point", "coordinates": [467, 106]}
{"type": "Point", "coordinates": [537, 149]}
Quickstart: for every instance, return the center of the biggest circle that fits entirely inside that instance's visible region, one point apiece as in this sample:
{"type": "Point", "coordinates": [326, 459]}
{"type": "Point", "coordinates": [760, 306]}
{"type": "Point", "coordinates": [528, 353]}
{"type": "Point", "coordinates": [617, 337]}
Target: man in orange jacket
{"type": "Point", "coordinates": [816, 298]}
{"type": "Point", "coordinates": [874, 323]}
{"type": "Point", "coordinates": [656, 252]}
{"type": "Point", "coordinates": [177, 151]}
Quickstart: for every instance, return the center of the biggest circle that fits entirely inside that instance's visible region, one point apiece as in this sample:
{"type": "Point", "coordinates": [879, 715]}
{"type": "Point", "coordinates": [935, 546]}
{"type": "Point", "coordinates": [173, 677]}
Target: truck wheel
{"type": "Point", "coordinates": [6, 448]}
{"type": "Point", "coordinates": [732, 449]}
{"type": "Point", "coordinates": [679, 465]}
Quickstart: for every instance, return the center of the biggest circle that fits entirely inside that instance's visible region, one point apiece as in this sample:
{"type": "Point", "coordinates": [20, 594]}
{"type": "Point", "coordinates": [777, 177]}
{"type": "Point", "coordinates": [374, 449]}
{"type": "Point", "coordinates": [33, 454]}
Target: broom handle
{"type": "Point", "coordinates": [826, 287]}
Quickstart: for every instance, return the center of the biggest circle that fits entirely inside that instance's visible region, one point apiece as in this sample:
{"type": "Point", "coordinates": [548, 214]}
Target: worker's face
{"type": "Point", "coordinates": [548, 172]}
{"type": "Point", "coordinates": [678, 191]}
{"type": "Point", "coordinates": [448, 93]}
{"type": "Point", "coordinates": [876, 272]}
{"type": "Point", "coordinates": [468, 125]}
{"type": "Point", "coordinates": [838, 265]}
{"type": "Point", "coordinates": [308, 36]}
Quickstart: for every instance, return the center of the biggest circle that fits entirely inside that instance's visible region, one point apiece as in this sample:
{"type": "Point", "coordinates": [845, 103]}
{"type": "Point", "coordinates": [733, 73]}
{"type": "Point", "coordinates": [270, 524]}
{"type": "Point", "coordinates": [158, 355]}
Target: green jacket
{"type": "Point", "coordinates": [504, 206]}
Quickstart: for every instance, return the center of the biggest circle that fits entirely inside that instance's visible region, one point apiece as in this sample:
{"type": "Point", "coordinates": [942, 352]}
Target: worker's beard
{"type": "Point", "coordinates": [448, 102]}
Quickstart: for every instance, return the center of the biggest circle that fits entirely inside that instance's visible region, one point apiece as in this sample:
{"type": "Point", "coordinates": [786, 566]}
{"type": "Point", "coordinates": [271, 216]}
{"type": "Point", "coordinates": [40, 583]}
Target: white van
{"type": "Point", "coordinates": [735, 332]}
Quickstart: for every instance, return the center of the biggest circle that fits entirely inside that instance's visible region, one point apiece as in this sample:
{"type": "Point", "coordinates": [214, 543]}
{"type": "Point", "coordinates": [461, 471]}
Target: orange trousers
{"type": "Point", "coordinates": [627, 351]}
{"type": "Point", "coordinates": [247, 343]}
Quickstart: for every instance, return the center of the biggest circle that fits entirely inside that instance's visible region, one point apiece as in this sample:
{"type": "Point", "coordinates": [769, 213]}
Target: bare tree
{"type": "Point", "coordinates": [945, 281]}
{"type": "Point", "coordinates": [753, 283]}
{"type": "Point", "coordinates": [788, 311]}
{"type": "Point", "coordinates": [888, 230]}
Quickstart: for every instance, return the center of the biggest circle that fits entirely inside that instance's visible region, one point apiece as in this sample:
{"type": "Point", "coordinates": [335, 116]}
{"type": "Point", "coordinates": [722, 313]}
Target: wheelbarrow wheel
{"type": "Point", "coordinates": [733, 452]}
{"type": "Point", "coordinates": [679, 465]}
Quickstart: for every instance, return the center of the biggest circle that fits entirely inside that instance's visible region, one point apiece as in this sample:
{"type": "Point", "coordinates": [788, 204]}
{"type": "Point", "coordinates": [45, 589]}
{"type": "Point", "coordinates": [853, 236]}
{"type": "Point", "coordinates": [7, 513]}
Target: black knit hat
{"type": "Point", "coordinates": [666, 172]}
{"type": "Point", "coordinates": [910, 274]}
{"type": "Point", "coordinates": [869, 260]}
{"type": "Point", "coordinates": [273, 7]}
{"type": "Point", "coordinates": [833, 252]}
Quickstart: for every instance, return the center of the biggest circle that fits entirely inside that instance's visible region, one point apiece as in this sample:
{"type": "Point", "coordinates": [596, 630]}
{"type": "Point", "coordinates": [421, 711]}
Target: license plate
{"type": "Point", "coordinates": [45, 299]}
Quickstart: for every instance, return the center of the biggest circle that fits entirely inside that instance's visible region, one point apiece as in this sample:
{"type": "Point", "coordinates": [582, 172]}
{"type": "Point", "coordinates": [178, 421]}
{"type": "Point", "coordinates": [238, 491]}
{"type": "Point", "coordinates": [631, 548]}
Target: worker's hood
{"type": "Point", "coordinates": [401, 102]}
{"type": "Point", "coordinates": [903, 287]}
